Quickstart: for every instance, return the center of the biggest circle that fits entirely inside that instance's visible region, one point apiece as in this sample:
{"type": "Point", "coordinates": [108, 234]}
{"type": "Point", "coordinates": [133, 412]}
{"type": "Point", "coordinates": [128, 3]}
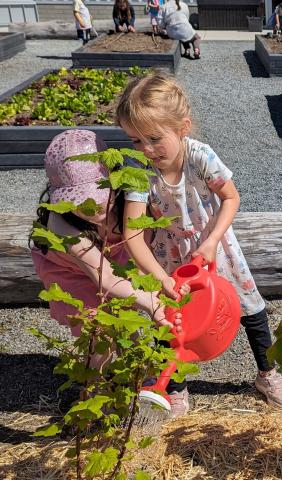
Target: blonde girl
{"type": "Point", "coordinates": [191, 182]}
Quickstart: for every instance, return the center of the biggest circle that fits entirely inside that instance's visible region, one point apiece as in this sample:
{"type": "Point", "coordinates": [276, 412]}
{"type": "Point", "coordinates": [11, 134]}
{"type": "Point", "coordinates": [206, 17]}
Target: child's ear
{"type": "Point", "coordinates": [186, 127]}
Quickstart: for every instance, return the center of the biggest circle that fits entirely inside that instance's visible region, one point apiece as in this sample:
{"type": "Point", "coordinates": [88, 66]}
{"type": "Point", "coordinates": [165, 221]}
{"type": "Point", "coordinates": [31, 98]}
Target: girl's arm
{"type": "Point", "coordinates": [132, 13]}
{"type": "Point", "coordinates": [230, 202]}
{"type": "Point", "coordinates": [88, 260]}
{"type": "Point", "coordinates": [78, 17]}
{"type": "Point", "coordinates": [139, 249]}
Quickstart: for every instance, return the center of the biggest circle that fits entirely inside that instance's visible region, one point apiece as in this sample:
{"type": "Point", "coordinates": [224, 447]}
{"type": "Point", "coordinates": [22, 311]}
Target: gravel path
{"type": "Point", "coordinates": [230, 97]}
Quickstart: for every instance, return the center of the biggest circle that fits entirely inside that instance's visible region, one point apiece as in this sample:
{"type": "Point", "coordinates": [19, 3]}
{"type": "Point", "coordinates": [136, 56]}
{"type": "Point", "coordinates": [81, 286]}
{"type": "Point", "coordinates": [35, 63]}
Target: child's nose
{"type": "Point", "coordinates": [148, 148]}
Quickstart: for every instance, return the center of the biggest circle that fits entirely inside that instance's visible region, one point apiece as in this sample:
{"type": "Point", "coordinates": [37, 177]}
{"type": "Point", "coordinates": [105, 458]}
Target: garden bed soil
{"type": "Point", "coordinates": [143, 42]}
{"type": "Point", "coordinates": [274, 46]}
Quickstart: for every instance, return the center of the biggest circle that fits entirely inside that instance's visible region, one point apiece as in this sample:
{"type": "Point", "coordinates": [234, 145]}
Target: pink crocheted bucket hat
{"type": "Point", "coordinates": [75, 181]}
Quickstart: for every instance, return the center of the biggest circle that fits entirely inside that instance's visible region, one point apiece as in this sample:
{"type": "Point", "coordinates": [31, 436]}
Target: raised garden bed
{"type": "Point", "coordinates": [123, 50]}
{"type": "Point", "coordinates": [35, 111]}
{"type": "Point", "coordinates": [269, 52]}
{"type": "Point", "coordinates": [11, 44]}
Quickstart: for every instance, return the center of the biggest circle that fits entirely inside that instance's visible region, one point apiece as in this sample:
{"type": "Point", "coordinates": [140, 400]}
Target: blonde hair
{"type": "Point", "coordinates": [154, 101]}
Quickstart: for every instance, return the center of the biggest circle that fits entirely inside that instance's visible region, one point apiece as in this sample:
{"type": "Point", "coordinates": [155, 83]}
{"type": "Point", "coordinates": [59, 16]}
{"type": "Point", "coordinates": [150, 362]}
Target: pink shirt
{"type": "Point", "coordinates": [60, 268]}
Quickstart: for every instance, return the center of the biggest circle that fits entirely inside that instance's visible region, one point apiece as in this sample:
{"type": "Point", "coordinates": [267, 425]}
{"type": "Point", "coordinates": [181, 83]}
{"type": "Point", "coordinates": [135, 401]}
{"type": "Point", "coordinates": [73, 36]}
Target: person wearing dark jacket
{"type": "Point", "coordinates": [123, 16]}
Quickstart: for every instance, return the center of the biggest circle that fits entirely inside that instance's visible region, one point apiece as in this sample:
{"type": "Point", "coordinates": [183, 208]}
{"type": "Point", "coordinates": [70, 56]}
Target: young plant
{"type": "Point", "coordinates": [126, 345]}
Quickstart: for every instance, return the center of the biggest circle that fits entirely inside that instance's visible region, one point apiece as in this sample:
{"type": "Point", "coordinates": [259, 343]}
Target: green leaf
{"type": "Point", "coordinates": [125, 343]}
{"type": "Point", "coordinates": [148, 282]}
{"type": "Point", "coordinates": [184, 369]}
{"type": "Point", "coordinates": [122, 270]}
{"type": "Point", "coordinates": [102, 346]}
{"type": "Point", "coordinates": [274, 353]}
{"type": "Point", "coordinates": [130, 444]}
{"type": "Point", "coordinates": [43, 236]}
{"type": "Point", "coordinates": [61, 207]}
{"type": "Point", "coordinates": [141, 475]}
{"type": "Point", "coordinates": [111, 157]}
{"type": "Point", "coordinates": [93, 404]}
{"type": "Point", "coordinates": [116, 304]}
{"type": "Point", "coordinates": [129, 152]}
{"type": "Point", "coordinates": [132, 320]}
{"type": "Point", "coordinates": [105, 318]}
{"type": "Point", "coordinates": [163, 333]}
{"type": "Point", "coordinates": [71, 453]}
{"type": "Point", "coordinates": [130, 178]}
{"type": "Point", "coordinates": [85, 157]}
{"type": "Point", "coordinates": [173, 303]}
{"type": "Point", "coordinates": [148, 222]}
{"type": "Point", "coordinates": [101, 462]}
{"type": "Point", "coordinates": [56, 294]}
{"type": "Point", "coordinates": [146, 442]}
{"type": "Point", "coordinates": [89, 207]}
{"type": "Point", "coordinates": [49, 431]}
{"type": "Point", "coordinates": [121, 476]}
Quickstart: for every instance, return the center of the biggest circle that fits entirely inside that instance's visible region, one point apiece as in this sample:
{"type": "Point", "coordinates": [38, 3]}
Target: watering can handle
{"type": "Point", "coordinates": [199, 261]}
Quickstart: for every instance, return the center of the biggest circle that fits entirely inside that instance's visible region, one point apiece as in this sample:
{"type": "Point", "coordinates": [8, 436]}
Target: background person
{"type": "Point", "coordinates": [174, 18]}
{"type": "Point", "coordinates": [83, 20]}
{"type": "Point", "coordinates": [123, 16]}
{"type": "Point", "coordinates": [153, 9]}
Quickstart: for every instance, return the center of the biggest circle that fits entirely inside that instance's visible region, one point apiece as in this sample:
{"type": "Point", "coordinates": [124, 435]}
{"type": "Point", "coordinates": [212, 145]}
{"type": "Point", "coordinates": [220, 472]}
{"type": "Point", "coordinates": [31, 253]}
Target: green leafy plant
{"type": "Point", "coordinates": [68, 97]}
{"type": "Point", "coordinates": [103, 417]}
{"type": "Point", "coordinates": [274, 353]}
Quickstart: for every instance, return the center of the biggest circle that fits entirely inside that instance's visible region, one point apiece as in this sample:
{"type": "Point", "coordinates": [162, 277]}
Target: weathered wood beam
{"type": "Point", "coordinates": [259, 234]}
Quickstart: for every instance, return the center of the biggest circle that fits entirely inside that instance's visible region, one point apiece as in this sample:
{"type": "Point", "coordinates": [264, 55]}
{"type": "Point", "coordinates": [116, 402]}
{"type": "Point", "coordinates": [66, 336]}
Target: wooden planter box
{"type": "Point", "coordinates": [272, 62]}
{"type": "Point", "coordinates": [118, 60]}
{"type": "Point", "coordinates": [24, 147]}
{"type": "Point", "coordinates": [11, 44]}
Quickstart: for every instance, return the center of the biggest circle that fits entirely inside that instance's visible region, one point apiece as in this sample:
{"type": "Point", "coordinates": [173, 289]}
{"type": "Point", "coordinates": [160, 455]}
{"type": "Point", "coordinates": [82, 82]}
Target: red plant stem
{"type": "Point", "coordinates": [100, 294]}
{"type": "Point", "coordinates": [127, 433]}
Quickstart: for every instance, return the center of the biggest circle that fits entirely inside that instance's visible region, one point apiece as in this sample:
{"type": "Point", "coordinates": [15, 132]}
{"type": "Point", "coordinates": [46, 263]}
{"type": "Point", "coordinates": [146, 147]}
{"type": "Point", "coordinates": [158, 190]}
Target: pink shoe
{"type": "Point", "coordinates": [179, 403]}
{"type": "Point", "coordinates": [271, 387]}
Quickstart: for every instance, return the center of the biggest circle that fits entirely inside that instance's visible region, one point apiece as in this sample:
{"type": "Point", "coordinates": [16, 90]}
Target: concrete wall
{"type": "Point", "coordinates": [100, 10]}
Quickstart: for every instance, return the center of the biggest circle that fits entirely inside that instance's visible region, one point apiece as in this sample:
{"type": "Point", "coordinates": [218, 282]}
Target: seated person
{"type": "Point", "coordinates": [123, 16]}
{"type": "Point", "coordinates": [278, 17]}
{"type": "Point", "coordinates": [275, 20]}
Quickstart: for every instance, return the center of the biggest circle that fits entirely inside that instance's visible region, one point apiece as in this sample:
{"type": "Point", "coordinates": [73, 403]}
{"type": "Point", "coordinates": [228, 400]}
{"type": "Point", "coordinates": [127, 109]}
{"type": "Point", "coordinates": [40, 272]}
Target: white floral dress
{"type": "Point", "coordinates": [197, 206]}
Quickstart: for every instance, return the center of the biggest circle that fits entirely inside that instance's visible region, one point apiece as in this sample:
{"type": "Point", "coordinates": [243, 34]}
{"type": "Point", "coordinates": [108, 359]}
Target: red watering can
{"type": "Point", "coordinates": [210, 322]}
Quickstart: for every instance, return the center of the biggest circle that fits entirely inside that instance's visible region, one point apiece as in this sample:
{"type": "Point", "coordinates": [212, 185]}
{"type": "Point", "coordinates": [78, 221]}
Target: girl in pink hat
{"type": "Point", "coordinates": [76, 271]}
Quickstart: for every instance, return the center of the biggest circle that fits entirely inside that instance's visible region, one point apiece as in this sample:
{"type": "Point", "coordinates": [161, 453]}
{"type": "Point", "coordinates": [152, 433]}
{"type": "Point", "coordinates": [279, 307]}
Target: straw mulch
{"type": "Point", "coordinates": [206, 444]}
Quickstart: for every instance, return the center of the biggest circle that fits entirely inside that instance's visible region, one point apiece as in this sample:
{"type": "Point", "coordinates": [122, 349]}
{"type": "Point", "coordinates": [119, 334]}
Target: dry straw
{"type": "Point", "coordinates": [209, 445]}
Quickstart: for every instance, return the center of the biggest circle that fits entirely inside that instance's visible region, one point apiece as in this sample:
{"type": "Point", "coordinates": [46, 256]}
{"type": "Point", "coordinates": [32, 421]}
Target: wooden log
{"type": "Point", "coordinates": [259, 234]}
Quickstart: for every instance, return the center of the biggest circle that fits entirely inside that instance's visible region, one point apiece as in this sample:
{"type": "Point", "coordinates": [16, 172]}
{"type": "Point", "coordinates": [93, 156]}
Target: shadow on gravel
{"type": "Point", "coordinates": [274, 103]}
{"type": "Point", "coordinates": [27, 383]}
{"type": "Point", "coordinates": [203, 387]}
{"type": "Point", "coordinates": [255, 66]}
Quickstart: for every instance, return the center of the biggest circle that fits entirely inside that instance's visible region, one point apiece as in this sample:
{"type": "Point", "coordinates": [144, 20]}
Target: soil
{"type": "Point", "coordinates": [143, 42]}
{"type": "Point", "coordinates": [274, 45]}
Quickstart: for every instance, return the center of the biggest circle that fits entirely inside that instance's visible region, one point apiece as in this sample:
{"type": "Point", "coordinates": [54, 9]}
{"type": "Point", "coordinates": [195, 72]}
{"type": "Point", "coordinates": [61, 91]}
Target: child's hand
{"type": "Point", "coordinates": [207, 250]}
{"type": "Point", "coordinates": [160, 319]}
{"type": "Point", "coordinates": [168, 287]}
